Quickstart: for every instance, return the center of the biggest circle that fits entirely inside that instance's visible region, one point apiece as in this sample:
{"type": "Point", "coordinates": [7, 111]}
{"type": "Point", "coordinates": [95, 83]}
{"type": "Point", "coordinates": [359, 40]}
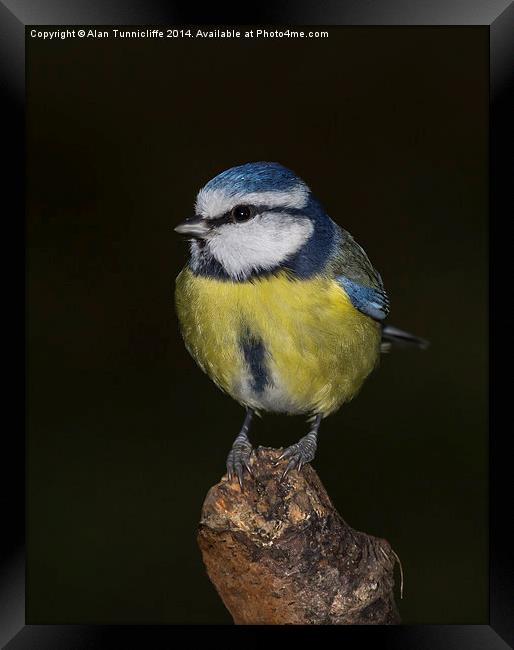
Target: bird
{"type": "Point", "coordinates": [278, 304]}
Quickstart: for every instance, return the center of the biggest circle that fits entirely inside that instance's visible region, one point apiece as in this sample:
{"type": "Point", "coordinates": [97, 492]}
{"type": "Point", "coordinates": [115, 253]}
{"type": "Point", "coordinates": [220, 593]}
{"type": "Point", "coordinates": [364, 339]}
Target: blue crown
{"type": "Point", "coordinates": [255, 177]}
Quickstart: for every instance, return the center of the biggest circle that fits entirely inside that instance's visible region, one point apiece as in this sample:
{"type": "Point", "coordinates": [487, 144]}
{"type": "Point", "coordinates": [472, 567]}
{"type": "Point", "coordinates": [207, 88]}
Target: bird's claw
{"type": "Point", "coordinates": [299, 454]}
{"type": "Point", "coordinates": [237, 461]}
{"type": "Point", "coordinates": [293, 449]}
{"type": "Point", "coordinates": [290, 465]}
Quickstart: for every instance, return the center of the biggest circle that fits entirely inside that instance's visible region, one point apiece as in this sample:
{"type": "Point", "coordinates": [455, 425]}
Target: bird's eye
{"type": "Point", "coordinates": [241, 213]}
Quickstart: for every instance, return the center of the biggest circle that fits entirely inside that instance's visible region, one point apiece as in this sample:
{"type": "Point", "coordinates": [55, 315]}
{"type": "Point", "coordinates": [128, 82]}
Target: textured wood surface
{"type": "Point", "coordinates": [279, 553]}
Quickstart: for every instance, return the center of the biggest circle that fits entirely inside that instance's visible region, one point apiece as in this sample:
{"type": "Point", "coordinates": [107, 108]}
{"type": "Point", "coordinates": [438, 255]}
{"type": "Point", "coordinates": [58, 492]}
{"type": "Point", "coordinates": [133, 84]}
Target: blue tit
{"type": "Point", "coordinates": [278, 304]}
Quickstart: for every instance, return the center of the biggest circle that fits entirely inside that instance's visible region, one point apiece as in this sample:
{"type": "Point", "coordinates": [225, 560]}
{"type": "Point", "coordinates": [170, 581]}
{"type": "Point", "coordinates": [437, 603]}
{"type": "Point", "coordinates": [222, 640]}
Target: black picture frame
{"type": "Point", "coordinates": [15, 15]}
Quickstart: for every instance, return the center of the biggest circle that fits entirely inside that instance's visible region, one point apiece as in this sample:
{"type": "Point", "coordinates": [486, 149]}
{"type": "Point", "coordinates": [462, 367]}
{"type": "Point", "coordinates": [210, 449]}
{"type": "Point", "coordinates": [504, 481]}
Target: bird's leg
{"type": "Point", "coordinates": [239, 456]}
{"type": "Point", "coordinates": [304, 450]}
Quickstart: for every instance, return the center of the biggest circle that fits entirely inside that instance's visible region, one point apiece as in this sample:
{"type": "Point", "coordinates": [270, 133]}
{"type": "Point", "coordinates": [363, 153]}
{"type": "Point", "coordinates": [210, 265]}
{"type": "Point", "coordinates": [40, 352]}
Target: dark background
{"type": "Point", "coordinates": [389, 128]}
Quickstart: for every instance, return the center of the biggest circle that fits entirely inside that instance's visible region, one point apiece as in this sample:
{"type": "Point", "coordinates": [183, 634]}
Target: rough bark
{"type": "Point", "coordinates": [279, 553]}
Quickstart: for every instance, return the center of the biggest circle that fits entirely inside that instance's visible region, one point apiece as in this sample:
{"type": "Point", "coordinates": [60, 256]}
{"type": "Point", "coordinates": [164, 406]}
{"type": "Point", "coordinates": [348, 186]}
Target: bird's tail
{"type": "Point", "coordinates": [393, 336]}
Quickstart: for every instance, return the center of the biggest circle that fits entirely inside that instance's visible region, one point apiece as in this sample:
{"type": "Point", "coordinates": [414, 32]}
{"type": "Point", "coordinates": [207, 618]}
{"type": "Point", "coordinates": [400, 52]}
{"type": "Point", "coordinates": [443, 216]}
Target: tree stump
{"type": "Point", "coordinates": [278, 552]}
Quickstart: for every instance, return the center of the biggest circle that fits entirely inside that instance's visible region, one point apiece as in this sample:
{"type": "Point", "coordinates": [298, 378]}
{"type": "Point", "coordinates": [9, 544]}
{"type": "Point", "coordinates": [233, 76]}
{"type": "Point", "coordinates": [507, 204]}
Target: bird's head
{"type": "Point", "coordinates": [254, 219]}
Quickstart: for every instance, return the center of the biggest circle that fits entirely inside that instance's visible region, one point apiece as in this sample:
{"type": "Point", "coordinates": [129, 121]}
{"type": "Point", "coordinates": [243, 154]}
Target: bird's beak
{"type": "Point", "coordinates": [195, 227]}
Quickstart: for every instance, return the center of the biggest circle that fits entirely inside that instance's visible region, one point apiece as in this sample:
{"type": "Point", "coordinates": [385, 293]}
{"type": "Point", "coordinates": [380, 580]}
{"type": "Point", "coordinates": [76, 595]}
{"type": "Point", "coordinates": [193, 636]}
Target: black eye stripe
{"type": "Point", "coordinates": [257, 210]}
{"type": "Point", "coordinates": [218, 221]}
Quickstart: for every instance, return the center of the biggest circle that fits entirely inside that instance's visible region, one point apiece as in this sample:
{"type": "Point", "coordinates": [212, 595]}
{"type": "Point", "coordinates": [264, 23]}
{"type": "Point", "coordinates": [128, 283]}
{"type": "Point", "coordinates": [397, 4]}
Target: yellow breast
{"type": "Point", "coordinates": [318, 349]}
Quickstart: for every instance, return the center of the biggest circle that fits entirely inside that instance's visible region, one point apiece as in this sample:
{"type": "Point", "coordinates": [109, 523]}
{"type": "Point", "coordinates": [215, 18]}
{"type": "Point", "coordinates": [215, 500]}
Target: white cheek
{"type": "Point", "coordinates": [260, 244]}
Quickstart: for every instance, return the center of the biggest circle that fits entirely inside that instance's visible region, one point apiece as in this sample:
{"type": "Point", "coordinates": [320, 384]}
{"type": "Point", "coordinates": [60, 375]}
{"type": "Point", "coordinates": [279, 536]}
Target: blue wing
{"type": "Point", "coordinates": [370, 301]}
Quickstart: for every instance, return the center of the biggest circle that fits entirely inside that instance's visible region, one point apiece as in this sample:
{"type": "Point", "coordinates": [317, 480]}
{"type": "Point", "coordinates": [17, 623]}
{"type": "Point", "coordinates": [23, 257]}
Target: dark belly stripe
{"type": "Point", "coordinates": [254, 353]}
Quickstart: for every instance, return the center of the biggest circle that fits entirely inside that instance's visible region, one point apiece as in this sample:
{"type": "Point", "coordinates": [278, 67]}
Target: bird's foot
{"type": "Point", "coordinates": [300, 453]}
{"type": "Point", "coordinates": [239, 459]}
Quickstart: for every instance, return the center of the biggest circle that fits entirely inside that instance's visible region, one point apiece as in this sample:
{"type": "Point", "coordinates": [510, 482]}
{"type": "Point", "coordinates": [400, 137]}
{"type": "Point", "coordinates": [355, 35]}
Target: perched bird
{"type": "Point", "coordinates": [278, 304]}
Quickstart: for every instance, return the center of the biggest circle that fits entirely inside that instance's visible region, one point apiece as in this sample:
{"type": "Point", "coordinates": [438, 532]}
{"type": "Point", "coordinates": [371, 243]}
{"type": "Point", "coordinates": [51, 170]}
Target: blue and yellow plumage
{"type": "Point", "coordinates": [278, 305]}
